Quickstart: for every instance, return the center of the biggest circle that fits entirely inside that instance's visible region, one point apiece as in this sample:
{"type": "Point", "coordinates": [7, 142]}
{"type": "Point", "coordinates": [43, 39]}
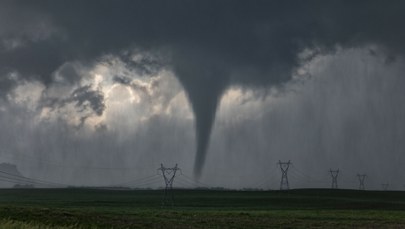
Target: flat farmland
{"type": "Point", "coordinates": [100, 208]}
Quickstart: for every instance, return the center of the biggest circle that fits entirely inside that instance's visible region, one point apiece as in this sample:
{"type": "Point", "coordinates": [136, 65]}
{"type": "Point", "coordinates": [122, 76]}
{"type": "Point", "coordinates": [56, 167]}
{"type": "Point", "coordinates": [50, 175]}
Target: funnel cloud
{"type": "Point", "coordinates": [53, 49]}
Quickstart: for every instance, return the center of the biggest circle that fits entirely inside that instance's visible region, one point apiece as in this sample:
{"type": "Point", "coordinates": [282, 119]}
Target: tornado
{"type": "Point", "coordinates": [204, 84]}
{"type": "Point", "coordinates": [204, 115]}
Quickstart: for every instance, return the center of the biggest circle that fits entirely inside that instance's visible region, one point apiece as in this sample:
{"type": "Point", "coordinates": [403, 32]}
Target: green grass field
{"type": "Point", "coordinates": [88, 208]}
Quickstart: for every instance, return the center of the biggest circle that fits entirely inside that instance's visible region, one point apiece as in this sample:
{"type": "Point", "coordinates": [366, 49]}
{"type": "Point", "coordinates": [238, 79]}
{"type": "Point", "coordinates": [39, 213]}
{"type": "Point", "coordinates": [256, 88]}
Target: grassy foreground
{"type": "Point", "coordinates": [310, 208]}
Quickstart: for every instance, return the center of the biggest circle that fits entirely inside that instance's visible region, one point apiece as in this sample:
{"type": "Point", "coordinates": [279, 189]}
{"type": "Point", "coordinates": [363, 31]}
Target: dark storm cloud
{"type": "Point", "coordinates": [5, 84]}
{"type": "Point", "coordinates": [210, 45]}
{"type": "Point", "coordinates": [122, 80]}
{"type": "Point", "coordinates": [85, 96]}
{"type": "Point", "coordinates": [68, 73]}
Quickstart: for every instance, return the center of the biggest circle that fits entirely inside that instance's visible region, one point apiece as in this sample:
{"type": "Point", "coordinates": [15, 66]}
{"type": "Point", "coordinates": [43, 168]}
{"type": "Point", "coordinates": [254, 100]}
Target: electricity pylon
{"type": "Point", "coordinates": [284, 185]}
{"type": "Point", "coordinates": [385, 186]}
{"type": "Point", "coordinates": [334, 174]}
{"type": "Point", "coordinates": [361, 177]}
{"type": "Point", "coordinates": [168, 175]}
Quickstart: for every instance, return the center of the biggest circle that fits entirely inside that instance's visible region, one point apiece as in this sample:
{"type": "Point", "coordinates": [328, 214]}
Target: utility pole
{"type": "Point", "coordinates": [284, 185]}
{"type": "Point", "coordinates": [168, 176]}
{"type": "Point", "coordinates": [334, 174]}
{"type": "Point", "coordinates": [361, 177]}
{"type": "Point", "coordinates": [385, 186]}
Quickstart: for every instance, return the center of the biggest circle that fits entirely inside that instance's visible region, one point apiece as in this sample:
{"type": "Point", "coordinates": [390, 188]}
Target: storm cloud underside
{"type": "Point", "coordinates": [210, 46]}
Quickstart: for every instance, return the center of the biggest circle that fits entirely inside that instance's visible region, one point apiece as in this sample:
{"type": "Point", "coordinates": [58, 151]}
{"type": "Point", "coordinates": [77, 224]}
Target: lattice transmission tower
{"type": "Point", "coordinates": [361, 177]}
{"type": "Point", "coordinates": [385, 186]}
{"type": "Point", "coordinates": [284, 166]}
{"type": "Point", "coordinates": [168, 175]}
{"type": "Point", "coordinates": [334, 174]}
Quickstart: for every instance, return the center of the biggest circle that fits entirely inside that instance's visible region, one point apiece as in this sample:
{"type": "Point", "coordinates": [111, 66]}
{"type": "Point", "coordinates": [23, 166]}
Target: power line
{"type": "Point", "coordinates": [195, 181]}
{"type": "Point", "coordinates": [306, 176]}
{"type": "Point", "coordinates": [149, 182]}
{"type": "Point", "coordinates": [56, 164]}
{"type": "Point", "coordinates": [15, 181]}
{"type": "Point", "coordinates": [270, 180]}
{"type": "Point", "coordinates": [142, 179]}
{"type": "Point", "coordinates": [38, 181]}
{"type": "Point", "coordinates": [187, 183]}
{"type": "Point", "coordinates": [5, 179]}
{"type": "Point", "coordinates": [25, 181]}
